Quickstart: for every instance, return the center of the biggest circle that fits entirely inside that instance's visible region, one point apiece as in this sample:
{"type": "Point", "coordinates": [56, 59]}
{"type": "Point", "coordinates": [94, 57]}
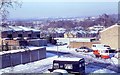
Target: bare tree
{"type": "Point", "coordinates": [5, 5]}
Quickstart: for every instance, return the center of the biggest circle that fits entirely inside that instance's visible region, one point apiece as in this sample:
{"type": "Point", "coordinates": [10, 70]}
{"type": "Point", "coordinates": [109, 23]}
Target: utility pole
{"type": "Point", "coordinates": [2, 44]}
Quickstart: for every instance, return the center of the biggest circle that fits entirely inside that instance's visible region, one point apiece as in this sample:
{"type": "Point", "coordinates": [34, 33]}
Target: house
{"type": "Point", "coordinates": [75, 34]}
{"type": "Point", "coordinates": [17, 32]}
{"type": "Point", "coordinates": [94, 30]}
{"type": "Point", "coordinates": [111, 36]}
{"type": "Point", "coordinates": [17, 35]}
{"type": "Point", "coordinates": [69, 35]}
{"type": "Point", "coordinates": [97, 27]}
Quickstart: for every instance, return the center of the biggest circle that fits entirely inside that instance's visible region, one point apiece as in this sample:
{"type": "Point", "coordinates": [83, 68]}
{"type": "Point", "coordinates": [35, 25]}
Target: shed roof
{"type": "Point", "coordinates": [68, 59]}
{"type": "Point", "coordinates": [21, 50]}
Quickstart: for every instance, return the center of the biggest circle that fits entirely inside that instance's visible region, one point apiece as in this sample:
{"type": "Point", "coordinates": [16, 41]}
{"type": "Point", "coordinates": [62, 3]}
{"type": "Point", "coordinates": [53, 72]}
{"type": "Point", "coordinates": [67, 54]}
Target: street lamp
{"type": "Point", "coordinates": [57, 49]}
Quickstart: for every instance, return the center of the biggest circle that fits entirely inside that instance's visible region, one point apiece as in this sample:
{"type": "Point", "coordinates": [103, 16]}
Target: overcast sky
{"type": "Point", "coordinates": [64, 8]}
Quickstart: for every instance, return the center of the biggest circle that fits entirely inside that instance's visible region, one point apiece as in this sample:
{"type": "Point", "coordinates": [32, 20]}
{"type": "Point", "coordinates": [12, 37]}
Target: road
{"type": "Point", "coordinates": [91, 65]}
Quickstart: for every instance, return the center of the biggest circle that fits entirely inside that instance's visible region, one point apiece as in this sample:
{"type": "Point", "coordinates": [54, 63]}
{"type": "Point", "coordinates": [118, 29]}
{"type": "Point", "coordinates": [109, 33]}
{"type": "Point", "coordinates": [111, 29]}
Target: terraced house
{"type": "Point", "coordinates": [17, 35]}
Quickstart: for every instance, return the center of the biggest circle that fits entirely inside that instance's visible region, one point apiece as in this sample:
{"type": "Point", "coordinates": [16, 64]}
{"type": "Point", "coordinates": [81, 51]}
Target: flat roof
{"type": "Point", "coordinates": [20, 50]}
{"type": "Point", "coordinates": [68, 59]}
{"type": "Point", "coordinates": [81, 39]}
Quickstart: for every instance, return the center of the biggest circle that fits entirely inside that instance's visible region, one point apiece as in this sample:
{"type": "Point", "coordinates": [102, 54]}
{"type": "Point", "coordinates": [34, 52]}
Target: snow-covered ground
{"type": "Point", "coordinates": [43, 65]}
{"type": "Point", "coordinates": [89, 57]}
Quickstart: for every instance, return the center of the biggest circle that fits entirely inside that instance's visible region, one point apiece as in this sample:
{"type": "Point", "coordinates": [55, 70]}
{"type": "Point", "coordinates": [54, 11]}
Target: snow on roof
{"type": "Point", "coordinates": [21, 28]}
{"type": "Point", "coordinates": [20, 50]}
{"type": "Point", "coordinates": [80, 39]}
{"type": "Point", "coordinates": [93, 31]}
{"type": "Point", "coordinates": [35, 30]}
{"type": "Point", "coordinates": [60, 30]}
{"type": "Point", "coordinates": [5, 29]}
{"type": "Point", "coordinates": [116, 25]}
{"type": "Point", "coordinates": [28, 29]}
{"type": "Point", "coordinates": [78, 31]}
{"type": "Point", "coordinates": [24, 28]}
{"type": "Point", "coordinates": [81, 31]}
{"type": "Point", "coordinates": [15, 28]}
{"type": "Point", "coordinates": [68, 59]}
{"type": "Point", "coordinates": [68, 40]}
{"type": "Point", "coordinates": [74, 32]}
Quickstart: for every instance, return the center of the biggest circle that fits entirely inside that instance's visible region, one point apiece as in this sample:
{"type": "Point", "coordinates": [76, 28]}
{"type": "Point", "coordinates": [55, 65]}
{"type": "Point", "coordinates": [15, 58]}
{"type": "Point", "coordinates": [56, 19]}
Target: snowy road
{"type": "Point", "coordinates": [91, 66]}
{"type": "Point", "coordinates": [89, 58]}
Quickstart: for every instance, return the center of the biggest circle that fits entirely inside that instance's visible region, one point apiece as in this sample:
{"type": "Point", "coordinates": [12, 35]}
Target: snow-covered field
{"type": "Point", "coordinates": [93, 65]}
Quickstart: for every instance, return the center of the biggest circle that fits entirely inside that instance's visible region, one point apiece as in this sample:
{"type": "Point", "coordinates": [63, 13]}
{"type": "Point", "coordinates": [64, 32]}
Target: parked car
{"type": "Point", "coordinates": [61, 43]}
{"type": "Point", "coordinates": [83, 49]}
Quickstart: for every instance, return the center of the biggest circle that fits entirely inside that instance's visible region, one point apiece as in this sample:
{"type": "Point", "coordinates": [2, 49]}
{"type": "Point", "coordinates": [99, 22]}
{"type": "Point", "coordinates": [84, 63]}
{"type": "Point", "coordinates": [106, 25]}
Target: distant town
{"type": "Point", "coordinates": [78, 27]}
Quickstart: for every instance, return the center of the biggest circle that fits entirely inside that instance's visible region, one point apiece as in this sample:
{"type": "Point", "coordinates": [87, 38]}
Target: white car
{"type": "Point", "coordinates": [83, 49]}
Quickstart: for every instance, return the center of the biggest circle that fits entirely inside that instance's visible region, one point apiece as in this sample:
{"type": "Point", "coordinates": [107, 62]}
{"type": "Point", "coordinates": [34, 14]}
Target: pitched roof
{"type": "Point", "coordinates": [116, 25]}
{"type": "Point", "coordinates": [5, 28]}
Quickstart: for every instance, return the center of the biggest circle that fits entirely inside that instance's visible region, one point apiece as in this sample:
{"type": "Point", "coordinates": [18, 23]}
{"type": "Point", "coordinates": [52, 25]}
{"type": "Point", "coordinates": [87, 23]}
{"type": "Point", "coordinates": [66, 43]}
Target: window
{"type": "Point", "coordinates": [111, 51]}
{"type": "Point", "coordinates": [80, 65]}
{"type": "Point", "coordinates": [29, 35]}
{"type": "Point", "coordinates": [94, 45]}
{"type": "Point", "coordinates": [61, 66]}
{"type": "Point", "coordinates": [9, 36]}
{"type": "Point", "coordinates": [106, 46]}
{"type": "Point", "coordinates": [56, 65]}
{"type": "Point", "coordinates": [107, 51]}
{"type": "Point", "coordinates": [68, 66]}
{"type": "Point", "coordinates": [19, 35]}
{"type": "Point", "coordinates": [38, 35]}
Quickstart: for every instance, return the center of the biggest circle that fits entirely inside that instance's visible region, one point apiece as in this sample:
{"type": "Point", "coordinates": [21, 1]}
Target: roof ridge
{"type": "Point", "coordinates": [110, 27]}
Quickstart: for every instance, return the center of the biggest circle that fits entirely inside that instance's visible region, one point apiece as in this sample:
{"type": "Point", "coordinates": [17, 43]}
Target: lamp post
{"type": "Point", "coordinates": [57, 49]}
{"type": "Point", "coordinates": [69, 43]}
